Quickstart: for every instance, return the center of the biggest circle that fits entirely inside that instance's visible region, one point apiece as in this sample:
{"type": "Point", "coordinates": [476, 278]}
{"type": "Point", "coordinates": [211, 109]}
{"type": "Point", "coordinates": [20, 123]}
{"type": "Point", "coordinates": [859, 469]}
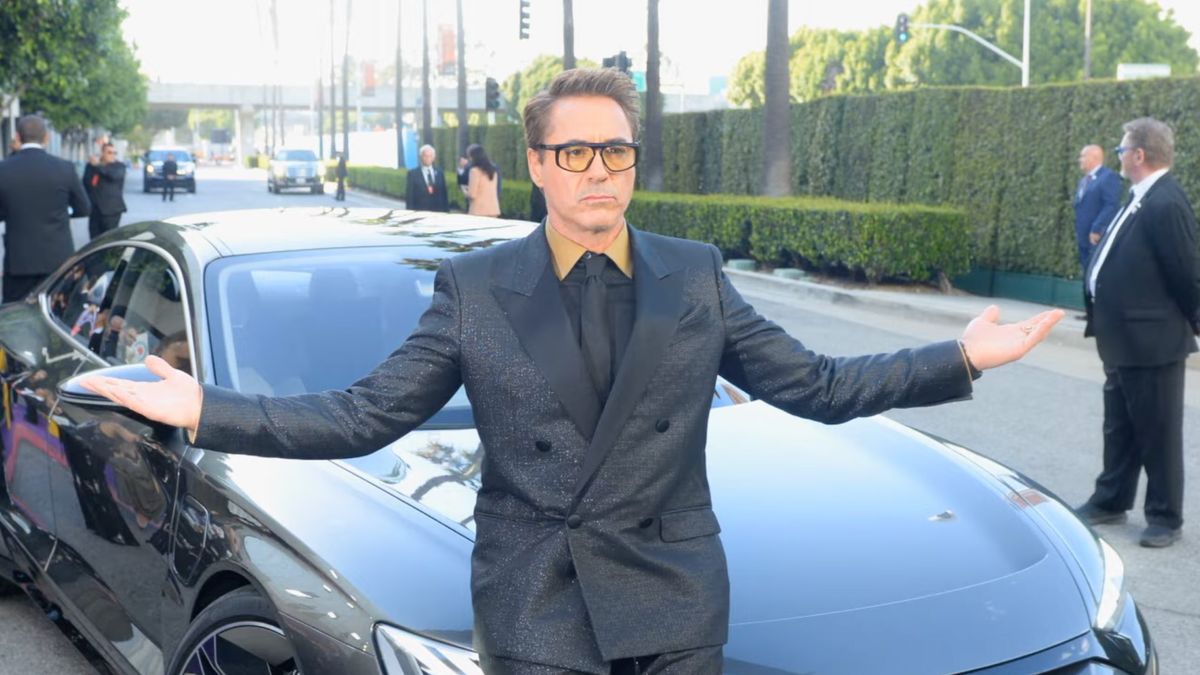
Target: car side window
{"type": "Point", "coordinates": [77, 300]}
{"type": "Point", "coordinates": [146, 315]}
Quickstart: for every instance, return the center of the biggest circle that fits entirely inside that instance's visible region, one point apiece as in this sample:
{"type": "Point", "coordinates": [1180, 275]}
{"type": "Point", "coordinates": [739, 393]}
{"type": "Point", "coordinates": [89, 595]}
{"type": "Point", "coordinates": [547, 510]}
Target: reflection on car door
{"type": "Point", "coordinates": [36, 357]}
{"type": "Point", "coordinates": [113, 535]}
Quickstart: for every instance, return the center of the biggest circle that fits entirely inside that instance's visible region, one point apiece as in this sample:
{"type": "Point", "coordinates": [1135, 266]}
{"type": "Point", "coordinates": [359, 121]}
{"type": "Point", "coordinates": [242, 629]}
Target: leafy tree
{"type": "Point", "coordinates": [104, 87]}
{"type": "Point", "coordinates": [519, 87]}
{"type": "Point", "coordinates": [829, 61]}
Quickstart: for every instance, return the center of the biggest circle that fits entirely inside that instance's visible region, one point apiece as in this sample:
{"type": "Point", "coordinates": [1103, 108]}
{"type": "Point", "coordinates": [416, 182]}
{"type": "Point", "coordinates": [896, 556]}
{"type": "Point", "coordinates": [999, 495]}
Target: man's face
{"type": "Point", "coordinates": [108, 155]}
{"type": "Point", "coordinates": [427, 157]}
{"type": "Point", "coordinates": [594, 200]}
{"type": "Point", "coordinates": [1131, 159]}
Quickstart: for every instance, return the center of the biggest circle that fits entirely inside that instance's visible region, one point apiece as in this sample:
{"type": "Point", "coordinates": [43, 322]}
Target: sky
{"type": "Point", "coordinates": [229, 41]}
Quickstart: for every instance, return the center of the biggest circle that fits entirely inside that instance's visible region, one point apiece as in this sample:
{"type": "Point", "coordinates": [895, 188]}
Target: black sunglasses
{"type": "Point", "coordinates": [578, 157]}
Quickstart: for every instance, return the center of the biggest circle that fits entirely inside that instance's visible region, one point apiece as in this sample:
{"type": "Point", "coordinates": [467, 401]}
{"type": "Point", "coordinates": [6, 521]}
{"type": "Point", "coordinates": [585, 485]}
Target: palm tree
{"type": "Point", "coordinates": [399, 89]}
{"type": "Point", "coordinates": [427, 103]}
{"type": "Point", "coordinates": [568, 34]}
{"type": "Point", "coordinates": [653, 164]}
{"type": "Point", "coordinates": [346, 87]}
{"type": "Point", "coordinates": [777, 164]}
{"type": "Point", "coordinates": [332, 86]}
{"type": "Point", "coordinates": [462, 85]}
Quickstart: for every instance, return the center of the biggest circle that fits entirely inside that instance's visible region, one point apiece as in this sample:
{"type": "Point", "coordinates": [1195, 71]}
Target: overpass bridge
{"type": "Point", "coordinates": [247, 100]}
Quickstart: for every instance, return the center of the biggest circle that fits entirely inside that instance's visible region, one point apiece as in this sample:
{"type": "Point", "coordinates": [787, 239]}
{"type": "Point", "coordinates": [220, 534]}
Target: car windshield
{"type": "Point", "coordinates": [161, 155]}
{"type": "Point", "coordinates": [296, 156]}
{"type": "Point", "coordinates": [310, 321]}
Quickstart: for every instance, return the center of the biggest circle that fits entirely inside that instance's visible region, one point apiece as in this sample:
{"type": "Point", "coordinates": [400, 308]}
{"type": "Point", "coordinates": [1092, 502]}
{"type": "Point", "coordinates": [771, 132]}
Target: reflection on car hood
{"type": "Point", "coordinates": [867, 529]}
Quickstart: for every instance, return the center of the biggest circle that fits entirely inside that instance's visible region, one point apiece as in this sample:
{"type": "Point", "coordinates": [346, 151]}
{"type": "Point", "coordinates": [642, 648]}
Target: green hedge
{"type": "Point", "coordinates": [1005, 156]}
{"type": "Point", "coordinates": [877, 240]}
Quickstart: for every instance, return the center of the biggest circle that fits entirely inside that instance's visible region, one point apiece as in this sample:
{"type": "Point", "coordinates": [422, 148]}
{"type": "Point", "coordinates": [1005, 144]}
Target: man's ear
{"type": "Point", "coordinates": [533, 158]}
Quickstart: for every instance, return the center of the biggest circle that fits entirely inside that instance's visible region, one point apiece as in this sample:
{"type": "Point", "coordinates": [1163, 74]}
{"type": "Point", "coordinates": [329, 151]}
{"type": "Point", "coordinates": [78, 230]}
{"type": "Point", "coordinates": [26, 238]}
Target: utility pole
{"type": "Point", "coordinates": [426, 96]}
{"type": "Point", "coordinates": [399, 88]}
{"type": "Point", "coordinates": [332, 85]}
{"type": "Point", "coordinates": [1025, 49]}
{"type": "Point", "coordinates": [1087, 42]}
{"type": "Point", "coordinates": [461, 63]}
{"type": "Point", "coordinates": [568, 34]}
{"type": "Point", "coordinates": [320, 116]}
{"type": "Point", "coordinates": [346, 87]}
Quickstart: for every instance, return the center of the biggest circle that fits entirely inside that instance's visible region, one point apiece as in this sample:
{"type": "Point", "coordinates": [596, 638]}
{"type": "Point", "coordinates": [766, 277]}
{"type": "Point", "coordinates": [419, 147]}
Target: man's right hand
{"type": "Point", "coordinates": [173, 400]}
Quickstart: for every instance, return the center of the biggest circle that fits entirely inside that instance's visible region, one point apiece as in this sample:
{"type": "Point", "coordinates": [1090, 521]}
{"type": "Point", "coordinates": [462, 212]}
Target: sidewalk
{"type": "Point", "coordinates": [951, 308]}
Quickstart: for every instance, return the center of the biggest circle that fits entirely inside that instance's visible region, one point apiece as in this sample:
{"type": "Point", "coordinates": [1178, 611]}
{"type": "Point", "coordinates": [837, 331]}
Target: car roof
{"type": "Point", "coordinates": [254, 231]}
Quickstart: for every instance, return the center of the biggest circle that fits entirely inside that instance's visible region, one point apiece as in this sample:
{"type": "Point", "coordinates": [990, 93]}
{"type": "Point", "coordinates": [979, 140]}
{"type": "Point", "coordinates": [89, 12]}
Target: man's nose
{"type": "Point", "coordinates": [597, 170]}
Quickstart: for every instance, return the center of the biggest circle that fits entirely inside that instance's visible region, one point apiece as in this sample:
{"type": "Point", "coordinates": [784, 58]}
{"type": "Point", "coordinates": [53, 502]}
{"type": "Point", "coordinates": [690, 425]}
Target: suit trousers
{"type": "Point", "coordinates": [99, 223]}
{"type": "Point", "coordinates": [701, 661]}
{"type": "Point", "coordinates": [1143, 427]}
{"type": "Point", "coordinates": [18, 286]}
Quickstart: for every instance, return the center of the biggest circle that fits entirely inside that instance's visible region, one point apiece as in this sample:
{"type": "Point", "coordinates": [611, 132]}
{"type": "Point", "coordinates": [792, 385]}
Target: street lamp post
{"type": "Point", "coordinates": [1022, 63]}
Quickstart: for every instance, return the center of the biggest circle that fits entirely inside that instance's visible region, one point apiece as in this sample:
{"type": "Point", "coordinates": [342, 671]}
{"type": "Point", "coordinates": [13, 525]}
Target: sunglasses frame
{"type": "Point", "coordinates": [596, 148]}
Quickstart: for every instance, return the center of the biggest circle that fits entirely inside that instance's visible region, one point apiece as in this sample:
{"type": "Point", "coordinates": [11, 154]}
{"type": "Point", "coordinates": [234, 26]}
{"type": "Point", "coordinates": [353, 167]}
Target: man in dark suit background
{"type": "Point", "coordinates": [1097, 197]}
{"type": "Point", "coordinates": [426, 186]}
{"type": "Point", "coordinates": [1143, 304]}
{"type": "Point", "coordinates": [104, 180]}
{"type": "Point", "coordinates": [170, 172]}
{"type": "Point", "coordinates": [36, 191]}
{"type": "Point", "coordinates": [589, 350]}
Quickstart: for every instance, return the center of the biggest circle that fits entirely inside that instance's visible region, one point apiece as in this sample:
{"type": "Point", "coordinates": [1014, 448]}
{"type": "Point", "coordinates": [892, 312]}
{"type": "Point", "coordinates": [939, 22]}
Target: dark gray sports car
{"type": "Point", "coordinates": [865, 548]}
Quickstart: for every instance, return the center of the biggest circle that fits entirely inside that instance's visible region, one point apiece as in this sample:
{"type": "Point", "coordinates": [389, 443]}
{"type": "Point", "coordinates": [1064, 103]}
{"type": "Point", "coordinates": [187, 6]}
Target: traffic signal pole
{"type": "Point", "coordinates": [1022, 63]}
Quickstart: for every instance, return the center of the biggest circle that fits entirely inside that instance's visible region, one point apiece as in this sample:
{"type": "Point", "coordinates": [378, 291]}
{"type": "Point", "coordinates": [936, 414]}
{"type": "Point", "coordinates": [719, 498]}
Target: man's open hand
{"type": "Point", "coordinates": [989, 344]}
{"type": "Point", "coordinates": [173, 400]}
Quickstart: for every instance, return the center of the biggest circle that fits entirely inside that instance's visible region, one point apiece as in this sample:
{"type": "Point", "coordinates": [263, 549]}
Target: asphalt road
{"type": "Point", "coordinates": [1041, 416]}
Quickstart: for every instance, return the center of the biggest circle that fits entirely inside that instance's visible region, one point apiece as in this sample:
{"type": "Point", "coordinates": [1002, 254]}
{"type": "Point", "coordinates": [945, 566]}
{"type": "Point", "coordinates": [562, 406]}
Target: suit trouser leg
{"type": "Point", "coordinates": [18, 286]}
{"type": "Point", "coordinates": [702, 661]}
{"type": "Point", "coordinates": [1116, 486]}
{"type": "Point", "coordinates": [1155, 398]}
{"type": "Point", "coordinates": [110, 222]}
{"type": "Point", "coordinates": [1143, 426]}
{"type": "Point", "coordinates": [95, 224]}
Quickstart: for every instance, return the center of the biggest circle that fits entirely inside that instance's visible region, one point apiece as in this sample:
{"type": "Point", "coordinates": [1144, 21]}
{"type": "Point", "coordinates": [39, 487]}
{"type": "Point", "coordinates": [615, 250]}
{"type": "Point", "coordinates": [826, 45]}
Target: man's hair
{"type": "Point", "coordinates": [427, 147]}
{"type": "Point", "coordinates": [106, 146]}
{"type": "Point", "coordinates": [32, 129]}
{"type": "Point", "coordinates": [1155, 139]}
{"type": "Point", "coordinates": [607, 82]}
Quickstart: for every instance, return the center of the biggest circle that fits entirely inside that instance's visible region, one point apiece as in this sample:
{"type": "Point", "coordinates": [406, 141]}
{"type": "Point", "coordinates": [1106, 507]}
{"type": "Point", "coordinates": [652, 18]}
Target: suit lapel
{"type": "Point", "coordinates": [659, 301]}
{"type": "Point", "coordinates": [532, 301]}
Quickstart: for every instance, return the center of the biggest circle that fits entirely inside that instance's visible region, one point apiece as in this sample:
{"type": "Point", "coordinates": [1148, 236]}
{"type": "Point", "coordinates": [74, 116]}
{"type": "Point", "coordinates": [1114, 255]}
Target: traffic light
{"type": "Point", "coordinates": [492, 89]}
{"type": "Point", "coordinates": [621, 62]}
{"type": "Point", "coordinates": [524, 33]}
{"type": "Point", "coordinates": [902, 28]}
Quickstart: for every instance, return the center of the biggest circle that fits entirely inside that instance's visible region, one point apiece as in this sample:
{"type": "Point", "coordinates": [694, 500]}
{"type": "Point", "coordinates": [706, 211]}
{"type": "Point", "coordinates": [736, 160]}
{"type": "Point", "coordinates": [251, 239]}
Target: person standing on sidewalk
{"type": "Point", "coordinates": [1096, 200]}
{"type": "Point", "coordinates": [170, 171]}
{"type": "Point", "coordinates": [1143, 307]}
{"type": "Point", "coordinates": [36, 191]}
{"type": "Point", "coordinates": [425, 188]}
{"type": "Point", "coordinates": [106, 187]}
{"type": "Point", "coordinates": [341, 178]}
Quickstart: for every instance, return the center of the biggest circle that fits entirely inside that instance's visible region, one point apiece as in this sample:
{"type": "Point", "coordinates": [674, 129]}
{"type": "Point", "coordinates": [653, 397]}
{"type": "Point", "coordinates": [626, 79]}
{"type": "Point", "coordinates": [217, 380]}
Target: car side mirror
{"type": "Point", "coordinates": [71, 391]}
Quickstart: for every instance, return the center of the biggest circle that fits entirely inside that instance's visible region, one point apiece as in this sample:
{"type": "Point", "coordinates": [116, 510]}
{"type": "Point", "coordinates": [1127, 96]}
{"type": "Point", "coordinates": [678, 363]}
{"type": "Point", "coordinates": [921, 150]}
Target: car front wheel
{"type": "Point", "coordinates": [238, 633]}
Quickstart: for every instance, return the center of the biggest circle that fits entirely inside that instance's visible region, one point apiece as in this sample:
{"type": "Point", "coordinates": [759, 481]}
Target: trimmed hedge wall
{"type": "Point", "coordinates": [1004, 156]}
{"type": "Point", "coordinates": [877, 240]}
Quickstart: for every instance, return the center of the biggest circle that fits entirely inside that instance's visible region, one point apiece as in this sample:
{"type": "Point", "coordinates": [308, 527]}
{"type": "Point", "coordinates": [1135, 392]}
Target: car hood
{"type": "Point", "coordinates": [865, 547]}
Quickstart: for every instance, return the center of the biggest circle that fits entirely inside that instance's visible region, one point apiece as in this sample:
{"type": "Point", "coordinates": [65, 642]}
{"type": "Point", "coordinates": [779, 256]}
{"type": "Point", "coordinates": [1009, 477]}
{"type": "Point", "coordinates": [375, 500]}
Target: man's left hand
{"type": "Point", "coordinates": [989, 344]}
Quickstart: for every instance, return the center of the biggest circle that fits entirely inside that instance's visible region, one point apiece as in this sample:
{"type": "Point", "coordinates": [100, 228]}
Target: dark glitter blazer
{"type": "Point", "coordinates": [596, 538]}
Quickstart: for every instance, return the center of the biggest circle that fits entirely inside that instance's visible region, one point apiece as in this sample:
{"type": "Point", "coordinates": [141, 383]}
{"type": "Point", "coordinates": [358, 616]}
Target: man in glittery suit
{"type": "Point", "coordinates": [589, 350]}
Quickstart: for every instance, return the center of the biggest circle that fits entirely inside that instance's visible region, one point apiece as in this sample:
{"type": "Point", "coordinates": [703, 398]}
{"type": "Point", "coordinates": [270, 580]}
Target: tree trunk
{"type": "Point", "coordinates": [777, 143]}
{"type": "Point", "coordinates": [568, 34]}
{"type": "Point", "coordinates": [653, 148]}
{"type": "Point", "coordinates": [426, 94]}
{"type": "Point", "coordinates": [461, 66]}
{"type": "Point", "coordinates": [399, 88]}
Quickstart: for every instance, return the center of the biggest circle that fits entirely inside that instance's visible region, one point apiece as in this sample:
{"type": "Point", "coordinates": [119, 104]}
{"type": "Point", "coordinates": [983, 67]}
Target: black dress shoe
{"type": "Point", "coordinates": [1094, 515]}
{"type": "Point", "coordinates": [1160, 536]}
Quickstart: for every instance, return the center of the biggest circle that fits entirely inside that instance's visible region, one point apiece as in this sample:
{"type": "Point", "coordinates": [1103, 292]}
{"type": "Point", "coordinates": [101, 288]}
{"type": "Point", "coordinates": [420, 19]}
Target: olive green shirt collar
{"type": "Point", "coordinates": [565, 253]}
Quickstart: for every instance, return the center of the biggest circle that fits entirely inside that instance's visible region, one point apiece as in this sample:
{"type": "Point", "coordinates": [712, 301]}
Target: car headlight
{"type": "Point", "coordinates": [406, 654]}
{"type": "Point", "coordinates": [149, 168]}
{"type": "Point", "coordinates": [1113, 590]}
{"type": "Point", "coordinates": [279, 170]}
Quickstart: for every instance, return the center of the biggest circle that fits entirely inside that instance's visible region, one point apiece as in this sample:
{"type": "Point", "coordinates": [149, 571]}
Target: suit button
{"type": "Point", "coordinates": [662, 426]}
{"type": "Point", "coordinates": [542, 446]}
{"type": "Point", "coordinates": [574, 521]}
{"type": "Point", "coordinates": [645, 522]}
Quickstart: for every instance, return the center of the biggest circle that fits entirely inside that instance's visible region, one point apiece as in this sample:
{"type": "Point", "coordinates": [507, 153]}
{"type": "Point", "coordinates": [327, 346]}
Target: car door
{"type": "Point", "coordinates": [44, 342]}
{"type": "Point", "coordinates": [113, 538]}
